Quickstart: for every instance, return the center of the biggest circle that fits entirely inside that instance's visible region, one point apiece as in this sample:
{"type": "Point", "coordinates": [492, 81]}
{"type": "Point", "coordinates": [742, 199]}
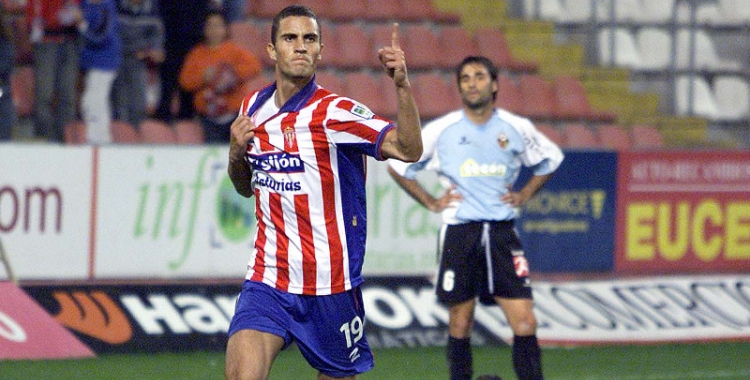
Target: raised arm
{"type": "Point", "coordinates": [405, 141]}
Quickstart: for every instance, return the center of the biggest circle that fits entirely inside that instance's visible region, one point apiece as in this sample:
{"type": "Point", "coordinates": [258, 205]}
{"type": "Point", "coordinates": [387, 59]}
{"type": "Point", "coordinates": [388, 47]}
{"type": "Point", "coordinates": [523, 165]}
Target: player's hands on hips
{"type": "Point", "coordinates": [514, 198]}
{"type": "Point", "coordinates": [242, 132]}
{"type": "Point", "coordinates": [393, 59]}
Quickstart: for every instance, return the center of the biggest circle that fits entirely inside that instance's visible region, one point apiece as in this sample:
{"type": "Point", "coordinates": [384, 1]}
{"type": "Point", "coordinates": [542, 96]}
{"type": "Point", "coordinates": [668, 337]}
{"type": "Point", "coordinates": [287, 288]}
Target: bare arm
{"type": "Point", "coordinates": [242, 131]}
{"type": "Point", "coordinates": [519, 198]}
{"type": "Point", "coordinates": [404, 142]}
{"type": "Point", "coordinates": [419, 194]}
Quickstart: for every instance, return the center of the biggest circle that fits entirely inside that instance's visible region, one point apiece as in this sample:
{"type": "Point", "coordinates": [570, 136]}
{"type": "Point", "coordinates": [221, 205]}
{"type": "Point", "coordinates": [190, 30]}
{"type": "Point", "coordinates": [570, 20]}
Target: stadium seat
{"type": "Point", "coordinates": [421, 44]}
{"type": "Point", "coordinates": [22, 90]}
{"type": "Point", "coordinates": [613, 136]}
{"type": "Point", "coordinates": [509, 96]}
{"type": "Point", "coordinates": [330, 80]}
{"type": "Point", "coordinates": [348, 10]}
{"type": "Point", "coordinates": [74, 133]}
{"type": "Point", "coordinates": [655, 12]}
{"type": "Point", "coordinates": [646, 137]}
{"type": "Point", "coordinates": [625, 10]}
{"type": "Point", "coordinates": [383, 10]}
{"type": "Point", "coordinates": [258, 82]}
{"type": "Point", "coordinates": [493, 45]}
{"type": "Point", "coordinates": [434, 96]}
{"type": "Point", "coordinates": [706, 56]}
{"type": "Point", "coordinates": [551, 10]}
{"type": "Point", "coordinates": [578, 135]}
{"type": "Point", "coordinates": [322, 8]}
{"type": "Point", "coordinates": [124, 132]}
{"type": "Point", "coordinates": [189, 132]}
{"type": "Point", "coordinates": [156, 132]}
{"type": "Point", "coordinates": [417, 10]}
{"type": "Point", "coordinates": [654, 48]}
{"type": "Point", "coordinates": [364, 88]}
{"type": "Point", "coordinates": [254, 38]}
{"type": "Point", "coordinates": [388, 94]}
{"type": "Point", "coordinates": [268, 8]}
{"type": "Point", "coordinates": [573, 103]}
{"type": "Point", "coordinates": [538, 97]}
{"type": "Point", "coordinates": [552, 133]}
{"type": "Point", "coordinates": [625, 49]}
{"type": "Point", "coordinates": [354, 48]}
{"type": "Point", "coordinates": [456, 43]}
{"type": "Point", "coordinates": [732, 94]}
{"type": "Point", "coordinates": [703, 103]}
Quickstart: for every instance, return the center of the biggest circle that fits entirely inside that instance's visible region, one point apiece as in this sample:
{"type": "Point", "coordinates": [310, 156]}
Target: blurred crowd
{"type": "Point", "coordinates": [91, 62]}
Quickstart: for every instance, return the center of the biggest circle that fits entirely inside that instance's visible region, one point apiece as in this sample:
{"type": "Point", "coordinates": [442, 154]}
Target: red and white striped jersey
{"type": "Point", "coordinates": [309, 165]}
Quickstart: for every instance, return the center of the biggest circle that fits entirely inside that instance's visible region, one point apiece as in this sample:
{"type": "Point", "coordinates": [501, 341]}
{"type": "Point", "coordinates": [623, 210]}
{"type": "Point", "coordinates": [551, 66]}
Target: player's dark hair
{"type": "Point", "coordinates": [290, 11]}
{"type": "Point", "coordinates": [484, 61]}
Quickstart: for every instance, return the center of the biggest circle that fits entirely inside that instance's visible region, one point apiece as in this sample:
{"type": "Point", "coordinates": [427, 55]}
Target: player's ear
{"type": "Point", "coordinates": [271, 50]}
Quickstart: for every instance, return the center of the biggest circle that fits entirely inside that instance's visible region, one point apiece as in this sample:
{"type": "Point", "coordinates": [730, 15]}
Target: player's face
{"type": "Point", "coordinates": [297, 47]}
{"type": "Point", "coordinates": [476, 86]}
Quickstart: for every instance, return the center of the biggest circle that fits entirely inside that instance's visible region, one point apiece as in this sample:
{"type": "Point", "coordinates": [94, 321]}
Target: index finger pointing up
{"type": "Point", "coordinates": [395, 44]}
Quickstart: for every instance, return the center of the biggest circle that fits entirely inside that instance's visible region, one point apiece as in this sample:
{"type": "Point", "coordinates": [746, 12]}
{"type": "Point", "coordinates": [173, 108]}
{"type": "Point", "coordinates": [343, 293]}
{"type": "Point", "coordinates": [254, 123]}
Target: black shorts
{"type": "Point", "coordinates": [481, 259]}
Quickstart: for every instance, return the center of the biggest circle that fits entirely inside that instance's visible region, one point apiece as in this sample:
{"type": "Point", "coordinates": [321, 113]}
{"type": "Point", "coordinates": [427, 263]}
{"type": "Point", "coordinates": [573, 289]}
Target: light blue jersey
{"type": "Point", "coordinates": [482, 161]}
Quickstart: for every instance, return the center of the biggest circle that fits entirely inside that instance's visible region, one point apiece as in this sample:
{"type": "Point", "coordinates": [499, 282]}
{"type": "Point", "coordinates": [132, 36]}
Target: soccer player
{"type": "Point", "coordinates": [478, 152]}
{"type": "Point", "coordinates": [301, 150]}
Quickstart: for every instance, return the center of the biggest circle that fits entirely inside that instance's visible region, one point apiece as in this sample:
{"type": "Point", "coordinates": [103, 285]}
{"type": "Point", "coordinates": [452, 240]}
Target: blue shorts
{"type": "Point", "coordinates": [329, 330]}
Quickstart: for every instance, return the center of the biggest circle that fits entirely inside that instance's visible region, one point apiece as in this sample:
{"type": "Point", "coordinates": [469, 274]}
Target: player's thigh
{"type": "Point", "coordinates": [520, 314]}
{"type": "Point", "coordinates": [250, 354]}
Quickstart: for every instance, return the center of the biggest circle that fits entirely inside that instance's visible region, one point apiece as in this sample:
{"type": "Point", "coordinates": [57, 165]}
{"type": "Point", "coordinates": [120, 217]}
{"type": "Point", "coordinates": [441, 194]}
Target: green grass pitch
{"type": "Point", "coordinates": [706, 361]}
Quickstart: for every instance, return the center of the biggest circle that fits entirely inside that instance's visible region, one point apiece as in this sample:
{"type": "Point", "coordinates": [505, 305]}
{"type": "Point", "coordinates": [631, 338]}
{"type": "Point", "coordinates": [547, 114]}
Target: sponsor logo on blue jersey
{"type": "Point", "coordinates": [277, 163]}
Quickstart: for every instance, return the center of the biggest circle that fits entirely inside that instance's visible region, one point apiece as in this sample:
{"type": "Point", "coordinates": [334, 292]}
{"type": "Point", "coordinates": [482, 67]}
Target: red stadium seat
{"type": "Point", "coordinates": [330, 80]}
{"type": "Point", "coordinates": [254, 38]}
{"type": "Point", "coordinates": [538, 97]}
{"type": "Point", "coordinates": [156, 132]}
{"type": "Point", "coordinates": [434, 95]}
{"type": "Point", "coordinates": [420, 42]}
{"type": "Point", "coordinates": [124, 132]}
{"type": "Point", "coordinates": [353, 48]}
{"type": "Point", "coordinates": [74, 133]}
{"type": "Point", "coordinates": [646, 137]}
{"type": "Point", "coordinates": [364, 88]}
{"type": "Point", "coordinates": [551, 132]}
{"type": "Point", "coordinates": [383, 10]}
{"type": "Point", "coordinates": [456, 43]}
{"type": "Point", "coordinates": [613, 136]}
{"type": "Point", "coordinates": [348, 10]}
{"type": "Point", "coordinates": [493, 45]}
{"type": "Point", "coordinates": [189, 132]}
{"type": "Point", "coordinates": [573, 102]}
{"type": "Point", "coordinates": [579, 135]}
{"type": "Point", "coordinates": [509, 95]}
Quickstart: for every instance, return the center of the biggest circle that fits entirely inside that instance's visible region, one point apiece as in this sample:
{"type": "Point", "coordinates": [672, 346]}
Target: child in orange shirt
{"type": "Point", "coordinates": [215, 71]}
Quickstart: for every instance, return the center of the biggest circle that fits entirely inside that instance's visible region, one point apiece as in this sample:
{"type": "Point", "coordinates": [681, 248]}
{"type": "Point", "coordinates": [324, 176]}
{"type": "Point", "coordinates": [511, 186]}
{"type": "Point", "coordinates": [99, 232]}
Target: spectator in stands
{"type": "Point", "coordinates": [101, 57]}
{"type": "Point", "coordinates": [142, 34]}
{"type": "Point", "coordinates": [53, 35]}
{"type": "Point", "coordinates": [214, 72]}
{"type": "Point", "coordinates": [479, 151]}
{"type": "Point", "coordinates": [233, 10]}
{"type": "Point", "coordinates": [7, 61]}
{"type": "Point", "coordinates": [183, 21]}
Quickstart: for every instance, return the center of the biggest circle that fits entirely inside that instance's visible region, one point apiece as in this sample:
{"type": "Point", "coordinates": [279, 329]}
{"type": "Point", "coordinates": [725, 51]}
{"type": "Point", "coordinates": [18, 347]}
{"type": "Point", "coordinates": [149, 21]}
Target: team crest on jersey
{"type": "Point", "coordinates": [362, 111]}
{"type": "Point", "coordinates": [503, 141]}
{"type": "Point", "coordinates": [289, 136]}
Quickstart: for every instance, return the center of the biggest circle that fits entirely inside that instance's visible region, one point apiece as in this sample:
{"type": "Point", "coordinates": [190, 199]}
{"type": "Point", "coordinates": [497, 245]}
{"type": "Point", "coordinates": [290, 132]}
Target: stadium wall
{"type": "Point", "coordinates": [145, 212]}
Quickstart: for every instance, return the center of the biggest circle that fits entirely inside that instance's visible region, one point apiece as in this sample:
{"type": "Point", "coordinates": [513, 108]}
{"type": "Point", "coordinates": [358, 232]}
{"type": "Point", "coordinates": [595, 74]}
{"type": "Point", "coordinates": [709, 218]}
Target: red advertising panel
{"type": "Point", "coordinates": [683, 212]}
{"type": "Point", "coordinates": [27, 331]}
